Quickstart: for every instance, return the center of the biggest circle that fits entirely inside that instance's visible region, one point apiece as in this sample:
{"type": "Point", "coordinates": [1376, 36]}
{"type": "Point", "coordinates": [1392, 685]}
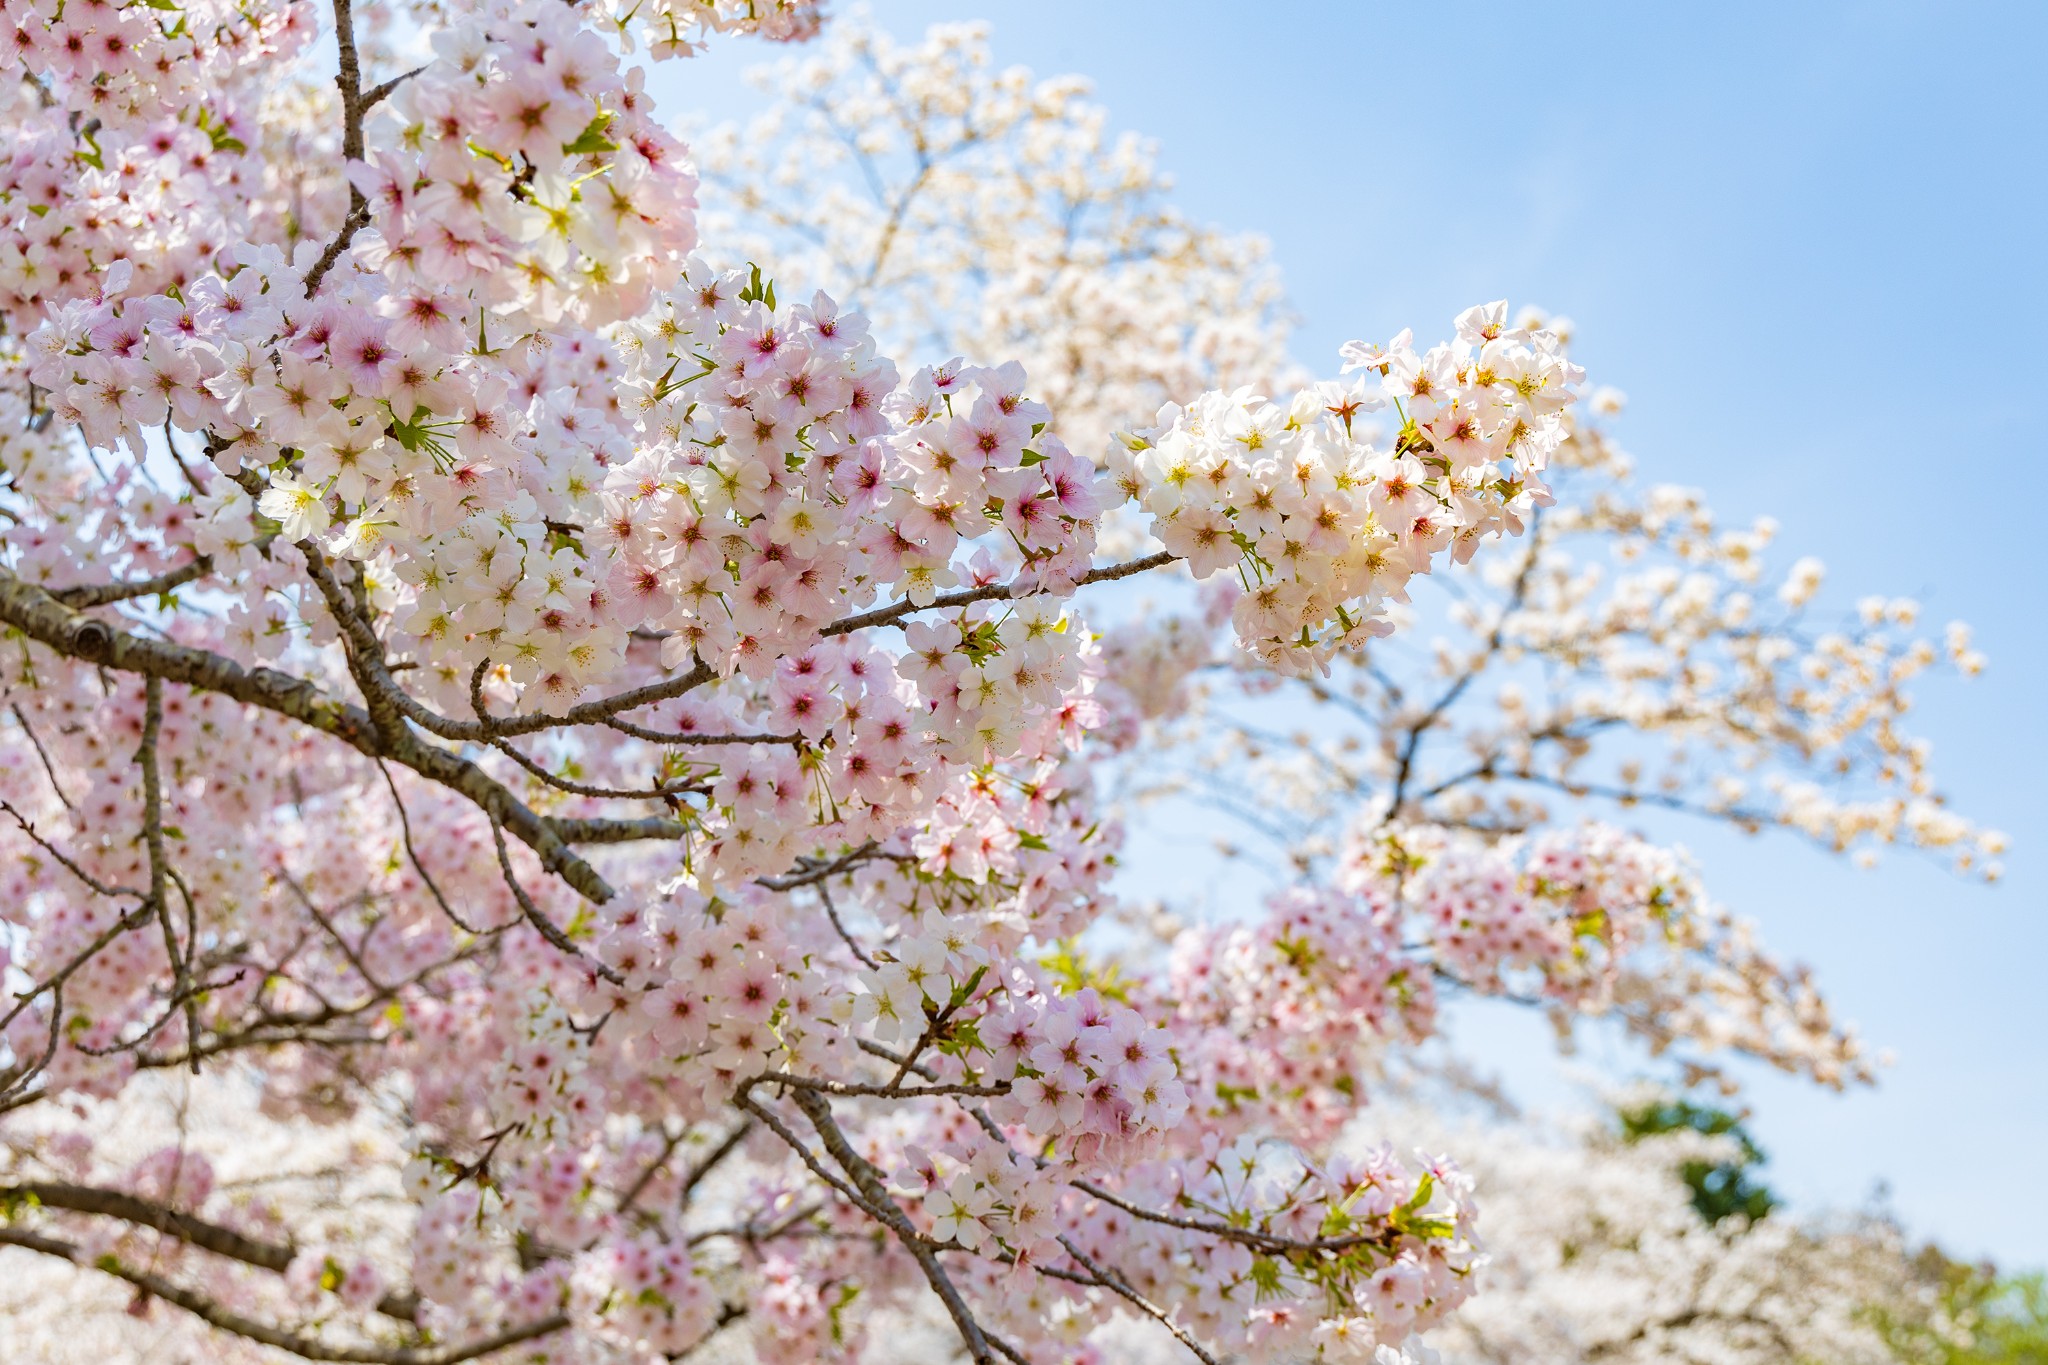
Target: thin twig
{"type": "Point", "coordinates": [1117, 1284]}
{"type": "Point", "coordinates": [548, 929]}
{"type": "Point", "coordinates": [832, 913]}
{"type": "Point", "coordinates": [159, 860]}
{"type": "Point", "coordinates": [405, 834]}
{"type": "Point", "coordinates": [349, 80]}
{"type": "Point", "coordinates": [44, 754]}
{"type": "Point", "coordinates": [818, 1109]}
{"type": "Point", "coordinates": [73, 868]}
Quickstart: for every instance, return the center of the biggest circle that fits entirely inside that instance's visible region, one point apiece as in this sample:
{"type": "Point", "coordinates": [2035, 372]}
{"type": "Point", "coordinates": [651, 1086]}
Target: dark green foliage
{"type": "Point", "coordinates": [1719, 1190]}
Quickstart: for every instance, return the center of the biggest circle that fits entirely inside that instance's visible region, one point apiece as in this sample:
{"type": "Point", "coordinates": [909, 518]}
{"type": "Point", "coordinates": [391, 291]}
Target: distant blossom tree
{"type": "Point", "coordinates": [566, 791]}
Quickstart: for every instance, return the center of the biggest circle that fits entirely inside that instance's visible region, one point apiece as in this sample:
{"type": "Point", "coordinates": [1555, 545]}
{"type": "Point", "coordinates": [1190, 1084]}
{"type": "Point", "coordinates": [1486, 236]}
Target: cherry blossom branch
{"type": "Point", "coordinates": [1745, 817]}
{"type": "Point", "coordinates": [384, 699]}
{"type": "Point", "coordinates": [785, 1226]}
{"type": "Point", "coordinates": [348, 79]}
{"type": "Point", "coordinates": [376, 94]}
{"type": "Point", "coordinates": [575, 831]}
{"type": "Point", "coordinates": [160, 863]}
{"type": "Point", "coordinates": [703, 1168]}
{"type": "Point", "coordinates": [893, 1090]}
{"type": "Point", "coordinates": [1122, 1287]}
{"type": "Point", "coordinates": [728, 1314]}
{"type": "Point", "coordinates": [39, 616]}
{"type": "Point", "coordinates": [743, 1099]}
{"type": "Point", "coordinates": [993, 592]}
{"type": "Point", "coordinates": [588, 713]}
{"type": "Point", "coordinates": [69, 866]}
{"type": "Point", "coordinates": [819, 1110]}
{"type": "Point", "coordinates": [412, 854]}
{"type": "Point", "coordinates": [810, 871]}
{"type": "Point", "coordinates": [185, 1227]}
{"type": "Point", "coordinates": [673, 787]}
{"type": "Point", "coordinates": [680, 740]}
{"type": "Point", "coordinates": [1258, 1241]}
{"type": "Point", "coordinates": [310, 1348]}
{"type": "Point", "coordinates": [604, 710]}
{"type": "Point", "coordinates": [352, 953]}
{"type": "Point", "coordinates": [839, 927]}
{"type": "Point", "coordinates": [1516, 597]}
{"type": "Point", "coordinates": [14, 1082]}
{"type": "Point", "coordinates": [670, 1141]}
{"type": "Point", "coordinates": [935, 1028]}
{"type": "Point", "coordinates": [87, 595]}
{"type": "Point", "coordinates": [547, 928]}
{"type": "Point", "coordinates": [259, 1037]}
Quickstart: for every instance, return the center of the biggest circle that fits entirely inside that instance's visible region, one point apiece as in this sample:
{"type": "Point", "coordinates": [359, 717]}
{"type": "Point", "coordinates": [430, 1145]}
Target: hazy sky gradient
{"type": "Point", "coordinates": [1806, 241]}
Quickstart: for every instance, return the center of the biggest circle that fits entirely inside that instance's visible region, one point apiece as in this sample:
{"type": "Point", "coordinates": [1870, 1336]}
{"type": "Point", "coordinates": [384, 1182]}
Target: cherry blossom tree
{"type": "Point", "coordinates": [609, 773]}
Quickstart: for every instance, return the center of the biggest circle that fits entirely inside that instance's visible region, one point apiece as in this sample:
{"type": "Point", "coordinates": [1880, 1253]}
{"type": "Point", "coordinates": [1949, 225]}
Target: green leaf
{"type": "Point", "coordinates": [961, 1039]}
{"type": "Point", "coordinates": [1408, 1218]}
{"type": "Point", "coordinates": [592, 140]}
{"type": "Point", "coordinates": [847, 1294]}
{"type": "Point", "coordinates": [758, 290]}
{"type": "Point", "coordinates": [965, 991]}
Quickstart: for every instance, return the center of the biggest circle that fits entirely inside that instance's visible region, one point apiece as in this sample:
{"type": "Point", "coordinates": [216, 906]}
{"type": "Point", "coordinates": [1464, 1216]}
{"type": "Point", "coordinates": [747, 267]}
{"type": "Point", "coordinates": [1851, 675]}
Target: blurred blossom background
{"type": "Point", "coordinates": [1805, 241]}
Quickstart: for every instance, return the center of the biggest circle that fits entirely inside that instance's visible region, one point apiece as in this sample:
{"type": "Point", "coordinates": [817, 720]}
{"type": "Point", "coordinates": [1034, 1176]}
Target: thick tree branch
{"type": "Point", "coordinates": [49, 622]}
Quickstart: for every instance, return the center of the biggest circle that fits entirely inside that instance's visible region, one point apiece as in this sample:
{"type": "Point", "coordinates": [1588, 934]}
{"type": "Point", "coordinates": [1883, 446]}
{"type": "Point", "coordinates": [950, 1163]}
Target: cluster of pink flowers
{"type": "Point", "coordinates": [1296, 1006]}
{"type": "Point", "coordinates": [1567, 913]}
{"type": "Point", "coordinates": [1089, 1076]}
{"type": "Point", "coordinates": [1296, 1009]}
{"type": "Point", "coordinates": [526, 177]}
{"type": "Point", "coordinates": [1414, 1220]}
{"type": "Point", "coordinates": [167, 109]}
{"type": "Point", "coordinates": [663, 1305]}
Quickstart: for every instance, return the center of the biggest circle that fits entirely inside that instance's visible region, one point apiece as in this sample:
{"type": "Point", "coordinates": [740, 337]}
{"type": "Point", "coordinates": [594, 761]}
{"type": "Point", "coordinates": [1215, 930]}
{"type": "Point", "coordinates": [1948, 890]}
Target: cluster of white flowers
{"type": "Point", "coordinates": [479, 673]}
{"type": "Point", "coordinates": [1322, 523]}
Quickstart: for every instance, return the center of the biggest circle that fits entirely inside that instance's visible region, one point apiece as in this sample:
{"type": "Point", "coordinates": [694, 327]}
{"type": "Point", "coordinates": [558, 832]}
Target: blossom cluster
{"type": "Point", "coordinates": [1323, 525]}
{"type": "Point", "coordinates": [1302, 1006]}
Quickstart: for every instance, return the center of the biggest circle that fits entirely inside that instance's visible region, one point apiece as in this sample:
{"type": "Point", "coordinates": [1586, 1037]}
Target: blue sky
{"type": "Point", "coordinates": [1806, 241]}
